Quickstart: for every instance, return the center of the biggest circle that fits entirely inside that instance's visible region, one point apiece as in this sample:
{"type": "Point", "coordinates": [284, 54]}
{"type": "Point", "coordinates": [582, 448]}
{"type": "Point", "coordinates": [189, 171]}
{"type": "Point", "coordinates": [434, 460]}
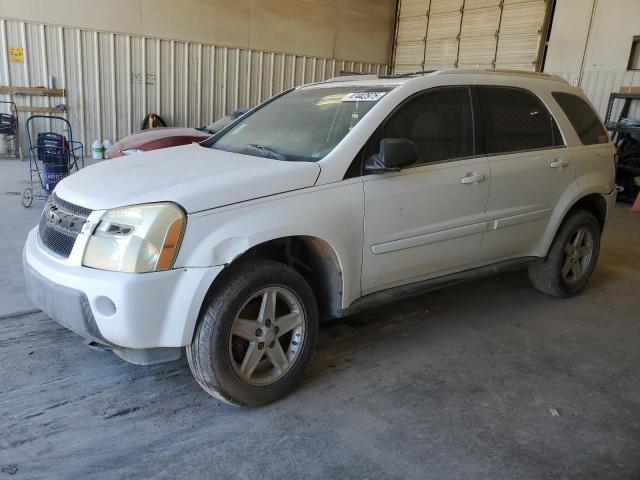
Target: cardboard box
{"type": "Point", "coordinates": [629, 89]}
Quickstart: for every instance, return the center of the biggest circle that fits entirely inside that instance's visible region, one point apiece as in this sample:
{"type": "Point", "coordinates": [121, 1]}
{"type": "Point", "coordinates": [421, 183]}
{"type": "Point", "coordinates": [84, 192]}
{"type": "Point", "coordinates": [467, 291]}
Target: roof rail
{"type": "Point", "coordinates": [548, 76]}
{"type": "Point", "coordinates": [501, 71]}
{"type": "Point", "coordinates": [463, 71]}
{"type": "Point", "coordinates": [450, 71]}
{"type": "Point", "coordinates": [409, 74]}
{"type": "Point", "coordinates": [350, 78]}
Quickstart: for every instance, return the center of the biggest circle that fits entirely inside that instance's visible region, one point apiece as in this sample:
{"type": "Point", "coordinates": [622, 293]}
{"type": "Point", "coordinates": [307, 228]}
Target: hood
{"type": "Point", "coordinates": [195, 177]}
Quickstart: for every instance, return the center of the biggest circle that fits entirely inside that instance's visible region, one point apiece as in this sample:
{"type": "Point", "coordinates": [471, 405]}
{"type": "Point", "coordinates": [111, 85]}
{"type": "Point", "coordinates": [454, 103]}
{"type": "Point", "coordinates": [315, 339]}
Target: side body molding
{"type": "Point", "coordinates": [428, 238]}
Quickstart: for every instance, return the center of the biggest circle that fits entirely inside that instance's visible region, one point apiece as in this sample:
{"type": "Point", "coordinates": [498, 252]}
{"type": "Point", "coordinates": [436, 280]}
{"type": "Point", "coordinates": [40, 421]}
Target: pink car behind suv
{"type": "Point", "coordinates": [156, 138]}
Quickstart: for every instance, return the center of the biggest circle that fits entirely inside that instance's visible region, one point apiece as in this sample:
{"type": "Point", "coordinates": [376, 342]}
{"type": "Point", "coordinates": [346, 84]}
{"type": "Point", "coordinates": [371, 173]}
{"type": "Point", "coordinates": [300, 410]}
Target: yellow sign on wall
{"type": "Point", "coordinates": [16, 54]}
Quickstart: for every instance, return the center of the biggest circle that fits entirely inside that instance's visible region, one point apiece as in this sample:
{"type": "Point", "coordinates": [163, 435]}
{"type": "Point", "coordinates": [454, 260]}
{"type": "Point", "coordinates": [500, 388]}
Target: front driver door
{"type": "Point", "coordinates": [428, 219]}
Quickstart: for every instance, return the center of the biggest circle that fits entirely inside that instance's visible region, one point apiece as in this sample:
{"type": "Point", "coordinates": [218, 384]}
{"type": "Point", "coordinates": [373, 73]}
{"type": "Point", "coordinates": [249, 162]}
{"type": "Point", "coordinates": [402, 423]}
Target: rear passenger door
{"type": "Point", "coordinates": [430, 218]}
{"type": "Point", "coordinates": [530, 169]}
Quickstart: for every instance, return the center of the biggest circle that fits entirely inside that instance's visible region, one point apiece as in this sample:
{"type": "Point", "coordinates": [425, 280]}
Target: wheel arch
{"type": "Point", "coordinates": [594, 202]}
{"type": "Point", "coordinates": [314, 258]}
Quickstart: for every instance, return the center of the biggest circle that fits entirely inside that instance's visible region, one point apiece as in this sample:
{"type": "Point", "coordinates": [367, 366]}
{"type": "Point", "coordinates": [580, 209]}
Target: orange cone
{"type": "Point", "coordinates": [636, 204]}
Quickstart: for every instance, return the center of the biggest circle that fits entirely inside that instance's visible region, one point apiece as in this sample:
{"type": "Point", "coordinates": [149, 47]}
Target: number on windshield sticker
{"type": "Point", "coordinates": [363, 96]}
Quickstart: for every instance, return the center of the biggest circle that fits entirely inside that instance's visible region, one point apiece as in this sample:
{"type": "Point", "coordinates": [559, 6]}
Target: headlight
{"type": "Point", "coordinates": [132, 151]}
{"type": "Point", "coordinates": [141, 238]}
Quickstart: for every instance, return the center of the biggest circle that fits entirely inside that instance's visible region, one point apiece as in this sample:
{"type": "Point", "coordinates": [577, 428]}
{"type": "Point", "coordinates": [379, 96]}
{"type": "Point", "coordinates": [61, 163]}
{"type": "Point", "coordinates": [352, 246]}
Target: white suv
{"type": "Point", "coordinates": [326, 199]}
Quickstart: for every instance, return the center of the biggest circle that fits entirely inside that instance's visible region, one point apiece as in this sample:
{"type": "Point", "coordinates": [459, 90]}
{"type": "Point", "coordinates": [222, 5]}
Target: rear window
{"type": "Point", "coordinates": [516, 120]}
{"type": "Point", "coordinates": [582, 117]}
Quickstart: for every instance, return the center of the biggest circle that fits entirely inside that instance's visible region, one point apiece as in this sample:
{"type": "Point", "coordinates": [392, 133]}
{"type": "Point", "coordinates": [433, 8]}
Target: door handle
{"type": "Point", "coordinates": [558, 163]}
{"type": "Point", "coordinates": [473, 178]}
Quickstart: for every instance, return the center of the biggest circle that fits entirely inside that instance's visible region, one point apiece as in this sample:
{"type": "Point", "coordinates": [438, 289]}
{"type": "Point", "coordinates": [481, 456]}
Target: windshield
{"type": "Point", "coordinates": [303, 125]}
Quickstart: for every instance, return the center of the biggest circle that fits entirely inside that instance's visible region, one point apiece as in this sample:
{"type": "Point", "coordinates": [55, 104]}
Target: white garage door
{"type": "Point", "coordinates": [433, 34]}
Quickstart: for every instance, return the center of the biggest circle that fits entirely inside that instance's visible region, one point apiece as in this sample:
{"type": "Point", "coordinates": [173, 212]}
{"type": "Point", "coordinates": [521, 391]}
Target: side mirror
{"type": "Point", "coordinates": [395, 154]}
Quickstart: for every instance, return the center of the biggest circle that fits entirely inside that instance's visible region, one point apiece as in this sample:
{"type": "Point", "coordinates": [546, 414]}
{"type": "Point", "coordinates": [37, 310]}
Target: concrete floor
{"type": "Point", "coordinates": [17, 221]}
{"type": "Point", "coordinates": [484, 380]}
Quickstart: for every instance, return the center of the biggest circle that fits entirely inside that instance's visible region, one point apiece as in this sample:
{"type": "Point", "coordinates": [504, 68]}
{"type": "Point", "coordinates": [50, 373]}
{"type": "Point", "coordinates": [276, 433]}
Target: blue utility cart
{"type": "Point", "coordinates": [53, 154]}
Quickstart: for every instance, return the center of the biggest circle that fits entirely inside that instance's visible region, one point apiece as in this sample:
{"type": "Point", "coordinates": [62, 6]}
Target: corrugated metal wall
{"type": "Point", "coordinates": [114, 80]}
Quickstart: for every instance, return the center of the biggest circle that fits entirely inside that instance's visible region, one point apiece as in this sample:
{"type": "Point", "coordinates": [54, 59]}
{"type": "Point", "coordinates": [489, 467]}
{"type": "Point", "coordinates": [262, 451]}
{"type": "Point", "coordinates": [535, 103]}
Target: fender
{"type": "Point", "coordinates": [594, 182]}
{"type": "Point", "coordinates": [328, 266]}
{"type": "Point", "coordinates": [218, 237]}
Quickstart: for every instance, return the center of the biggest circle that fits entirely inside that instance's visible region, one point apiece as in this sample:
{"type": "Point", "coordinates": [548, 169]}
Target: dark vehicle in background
{"type": "Point", "coordinates": [157, 138]}
{"type": "Point", "coordinates": [628, 168]}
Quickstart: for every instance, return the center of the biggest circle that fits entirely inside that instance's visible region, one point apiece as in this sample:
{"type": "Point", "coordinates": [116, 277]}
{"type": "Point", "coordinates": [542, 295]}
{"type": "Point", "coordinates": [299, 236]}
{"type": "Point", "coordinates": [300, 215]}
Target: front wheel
{"type": "Point", "coordinates": [256, 334]}
{"type": "Point", "coordinates": [572, 257]}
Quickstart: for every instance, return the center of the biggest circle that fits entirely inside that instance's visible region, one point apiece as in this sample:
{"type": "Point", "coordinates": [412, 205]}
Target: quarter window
{"type": "Point", "coordinates": [439, 122]}
{"type": "Point", "coordinates": [582, 117]}
{"type": "Point", "coordinates": [516, 120]}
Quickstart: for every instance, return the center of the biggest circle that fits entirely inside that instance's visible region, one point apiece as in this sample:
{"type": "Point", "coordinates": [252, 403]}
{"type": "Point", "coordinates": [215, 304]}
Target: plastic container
{"type": "Point", "coordinates": [97, 150]}
{"type": "Point", "coordinates": [106, 145]}
{"type": "Point", "coordinates": [53, 173]}
{"type": "Point", "coordinates": [53, 152]}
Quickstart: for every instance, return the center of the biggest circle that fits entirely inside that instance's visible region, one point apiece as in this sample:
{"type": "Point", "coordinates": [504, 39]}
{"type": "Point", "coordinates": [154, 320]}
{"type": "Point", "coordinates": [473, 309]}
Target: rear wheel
{"type": "Point", "coordinates": [256, 336]}
{"type": "Point", "coordinates": [572, 257]}
{"type": "Point", "coordinates": [27, 198]}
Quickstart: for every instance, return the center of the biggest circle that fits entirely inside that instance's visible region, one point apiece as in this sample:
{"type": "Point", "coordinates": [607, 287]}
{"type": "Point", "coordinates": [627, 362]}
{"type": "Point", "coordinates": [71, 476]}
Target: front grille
{"type": "Point", "coordinates": [70, 207]}
{"type": "Point", "coordinates": [60, 224]}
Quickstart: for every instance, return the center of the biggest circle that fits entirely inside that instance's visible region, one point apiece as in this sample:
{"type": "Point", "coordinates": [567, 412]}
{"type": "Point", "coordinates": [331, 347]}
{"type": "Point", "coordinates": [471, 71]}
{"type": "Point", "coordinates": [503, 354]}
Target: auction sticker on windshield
{"type": "Point", "coordinates": [363, 96]}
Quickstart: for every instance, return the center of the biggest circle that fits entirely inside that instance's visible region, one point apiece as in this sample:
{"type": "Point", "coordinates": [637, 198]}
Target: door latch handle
{"type": "Point", "coordinates": [472, 178]}
{"type": "Point", "coordinates": [558, 163]}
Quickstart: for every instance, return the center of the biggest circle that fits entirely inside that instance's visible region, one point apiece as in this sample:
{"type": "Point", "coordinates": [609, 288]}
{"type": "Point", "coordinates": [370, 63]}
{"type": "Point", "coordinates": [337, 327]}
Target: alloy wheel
{"type": "Point", "coordinates": [577, 255]}
{"type": "Point", "coordinates": [267, 335]}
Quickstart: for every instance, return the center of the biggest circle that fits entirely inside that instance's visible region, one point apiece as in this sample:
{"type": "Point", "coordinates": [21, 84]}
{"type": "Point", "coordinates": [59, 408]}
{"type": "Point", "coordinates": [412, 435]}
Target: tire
{"type": "Point", "coordinates": [556, 275]}
{"type": "Point", "coordinates": [221, 355]}
{"type": "Point", "coordinates": [27, 198]}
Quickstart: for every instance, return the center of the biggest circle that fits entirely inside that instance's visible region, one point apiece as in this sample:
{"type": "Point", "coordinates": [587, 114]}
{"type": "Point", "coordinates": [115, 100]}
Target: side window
{"type": "Point", "coordinates": [516, 120]}
{"type": "Point", "coordinates": [439, 122]}
{"type": "Point", "coordinates": [582, 117]}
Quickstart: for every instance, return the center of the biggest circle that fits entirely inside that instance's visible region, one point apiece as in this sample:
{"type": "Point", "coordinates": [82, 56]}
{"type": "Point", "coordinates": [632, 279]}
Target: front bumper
{"type": "Point", "coordinates": [69, 307]}
{"type": "Point", "coordinates": [124, 310]}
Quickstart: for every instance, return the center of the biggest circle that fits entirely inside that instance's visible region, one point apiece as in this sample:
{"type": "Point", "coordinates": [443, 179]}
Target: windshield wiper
{"type": "Point", "coordinates": [266, 152]}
